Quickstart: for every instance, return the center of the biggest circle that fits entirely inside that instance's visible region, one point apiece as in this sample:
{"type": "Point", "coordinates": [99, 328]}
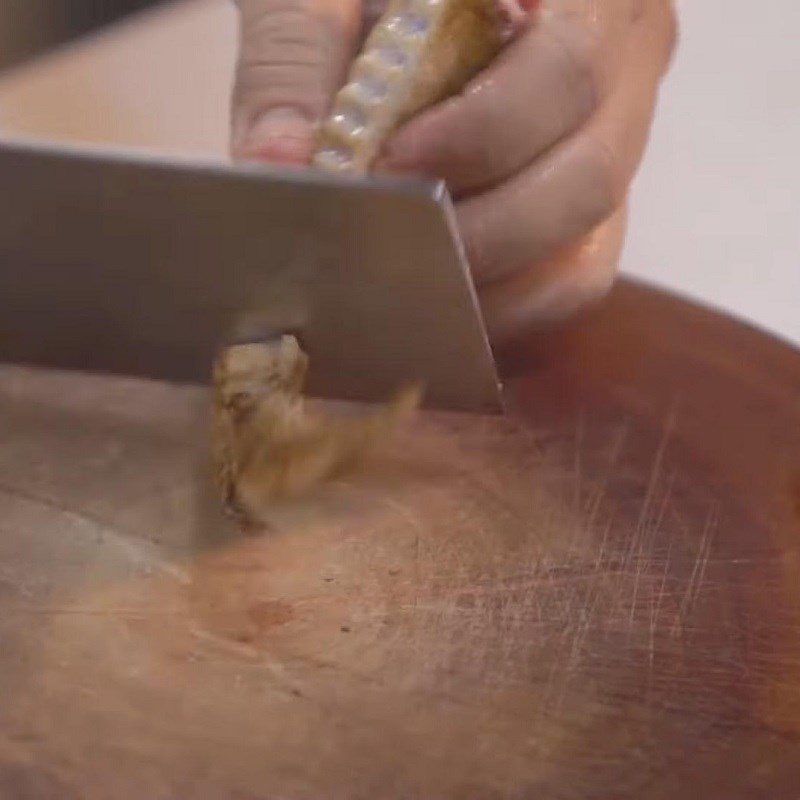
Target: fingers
{"type": "Point", "coordinates": [544, 86]}
{"type": "Point", "coordinates": [570, 190]}
{"type": "Point", "coordinates": [577, 273]}
{"type": "Point", "coordinates": [556, 200]}
{"type": "Point", "coordinates": [558, 286]}
{"type": "Point", "coordinates": [292, 58]}
{"type": "Point", "coordinates": [539, 89]}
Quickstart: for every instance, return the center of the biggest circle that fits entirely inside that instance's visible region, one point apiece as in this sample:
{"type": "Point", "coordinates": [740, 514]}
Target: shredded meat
{"type": "Point", "coordinates": [269, 443]}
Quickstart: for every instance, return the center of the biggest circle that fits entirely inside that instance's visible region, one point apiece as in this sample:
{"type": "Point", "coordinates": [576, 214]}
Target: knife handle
{"type": "Point", "coordinates": [418, 53]}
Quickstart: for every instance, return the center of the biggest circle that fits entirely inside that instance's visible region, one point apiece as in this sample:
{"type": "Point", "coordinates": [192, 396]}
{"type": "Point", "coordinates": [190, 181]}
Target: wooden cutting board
{"type": "Point", "coordinates": [598, 597]}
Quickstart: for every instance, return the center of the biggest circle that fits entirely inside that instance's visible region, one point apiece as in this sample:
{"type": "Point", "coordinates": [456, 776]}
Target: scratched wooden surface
{"type": "Point", "coordinates": [597, 598]}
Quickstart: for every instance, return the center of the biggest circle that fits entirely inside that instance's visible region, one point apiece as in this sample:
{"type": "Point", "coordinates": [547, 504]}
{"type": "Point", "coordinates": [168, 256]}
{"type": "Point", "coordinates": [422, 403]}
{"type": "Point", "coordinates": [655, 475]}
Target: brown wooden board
{"type": "Point", "coordinates": [598, 597]}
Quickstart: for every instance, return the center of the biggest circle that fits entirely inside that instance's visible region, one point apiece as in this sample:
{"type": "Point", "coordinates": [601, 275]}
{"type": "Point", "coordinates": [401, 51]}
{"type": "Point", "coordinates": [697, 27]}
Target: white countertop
{"type": "Point", "coordinates": [716, 208]}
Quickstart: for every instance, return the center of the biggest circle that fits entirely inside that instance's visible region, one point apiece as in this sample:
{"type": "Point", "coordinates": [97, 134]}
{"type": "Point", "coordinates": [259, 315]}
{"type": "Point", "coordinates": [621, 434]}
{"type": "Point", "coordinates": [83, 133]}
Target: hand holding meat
{"type": "Point", "coordinates": [539, 148]}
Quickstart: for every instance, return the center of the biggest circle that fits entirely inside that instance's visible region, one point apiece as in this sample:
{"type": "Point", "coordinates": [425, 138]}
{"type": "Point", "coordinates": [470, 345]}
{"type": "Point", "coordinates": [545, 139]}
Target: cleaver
{"type": "Point", "coordinates": [140, 265]}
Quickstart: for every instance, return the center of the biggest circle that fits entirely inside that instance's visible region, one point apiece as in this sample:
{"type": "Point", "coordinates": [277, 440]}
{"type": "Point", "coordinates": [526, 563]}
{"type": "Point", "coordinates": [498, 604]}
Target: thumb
{"type": "Point", "coordinates": [293, 56]}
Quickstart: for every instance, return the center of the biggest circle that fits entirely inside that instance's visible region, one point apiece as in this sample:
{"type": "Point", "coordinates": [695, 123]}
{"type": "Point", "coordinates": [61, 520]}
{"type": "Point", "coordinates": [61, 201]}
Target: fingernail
{"type": "Point", "coordinates": [281, 135]}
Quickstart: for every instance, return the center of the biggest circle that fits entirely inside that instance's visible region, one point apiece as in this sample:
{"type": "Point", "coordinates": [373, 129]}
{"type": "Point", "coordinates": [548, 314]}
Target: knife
{"type": "Point", "coordinates": [135, 264]}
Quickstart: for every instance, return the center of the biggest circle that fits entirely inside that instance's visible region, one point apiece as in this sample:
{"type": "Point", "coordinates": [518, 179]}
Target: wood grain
{"type": "Point", "coordinates": [597, 597]}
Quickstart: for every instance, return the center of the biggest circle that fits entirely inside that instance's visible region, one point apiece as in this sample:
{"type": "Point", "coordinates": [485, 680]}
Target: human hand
{"type": "Point", "coordinates": [538, 151]}
{"type": "Point", "coordinates": [293, 57]}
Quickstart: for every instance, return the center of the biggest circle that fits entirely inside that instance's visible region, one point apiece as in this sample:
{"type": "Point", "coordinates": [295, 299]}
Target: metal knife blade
{"type": "Point", "coordinates": [140, 265]}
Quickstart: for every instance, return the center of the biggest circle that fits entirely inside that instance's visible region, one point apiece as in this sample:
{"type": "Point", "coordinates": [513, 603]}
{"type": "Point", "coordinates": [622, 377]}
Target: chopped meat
{"type": "Point", "coordinates": [269, 443]}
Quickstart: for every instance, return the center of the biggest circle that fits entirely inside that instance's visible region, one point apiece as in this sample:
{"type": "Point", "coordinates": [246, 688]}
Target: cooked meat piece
{"type": "Point", "coordinates": [269, 443]}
